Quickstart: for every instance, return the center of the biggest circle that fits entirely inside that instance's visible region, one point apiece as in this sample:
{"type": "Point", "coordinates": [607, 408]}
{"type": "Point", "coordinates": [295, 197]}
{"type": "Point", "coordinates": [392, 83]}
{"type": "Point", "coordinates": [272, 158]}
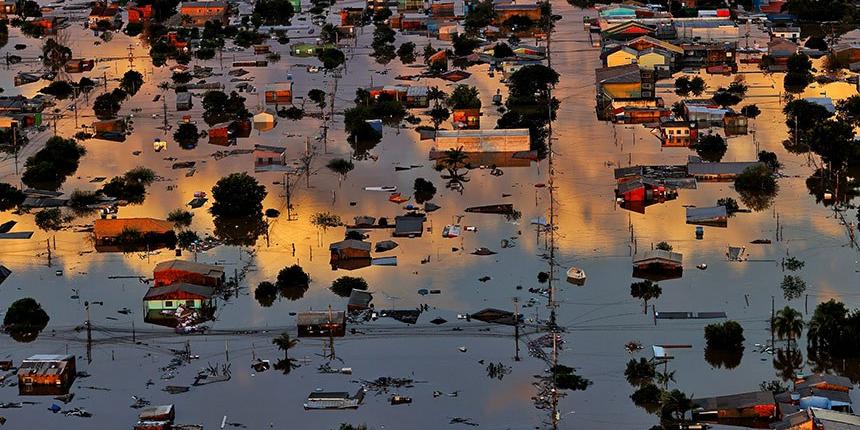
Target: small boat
{"type": "Point", "coordinates": [483, 251]}
{"type": "Point", "coordinates": [576, 276]}
{"type": "Point", "coordinates": [451, 230]}
{"type": "Point", "coordinates": [702, 266]}
{"type": "Point", "coordinates": [385, 188]}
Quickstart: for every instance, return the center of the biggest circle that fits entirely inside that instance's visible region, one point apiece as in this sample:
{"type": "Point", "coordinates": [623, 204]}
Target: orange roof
{"type": "Point", "coordinates": [113, 227]}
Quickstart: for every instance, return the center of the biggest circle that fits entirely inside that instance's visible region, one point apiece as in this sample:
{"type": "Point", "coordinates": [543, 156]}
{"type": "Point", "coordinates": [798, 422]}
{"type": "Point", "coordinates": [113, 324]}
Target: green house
{"type": "Point", "coordinates": [170, 297]}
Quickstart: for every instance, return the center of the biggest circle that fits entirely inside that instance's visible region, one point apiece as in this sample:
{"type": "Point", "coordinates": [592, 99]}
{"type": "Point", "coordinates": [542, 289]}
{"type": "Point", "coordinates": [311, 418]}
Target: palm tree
{"type": "Point", "coordinates": [285, 343]}
{"type": "Point", "coordinates": [788, 324]}
{"type": "Point", "coordinates": [676, 404]}
{"type": "Point", "coordinates": [454, 159]}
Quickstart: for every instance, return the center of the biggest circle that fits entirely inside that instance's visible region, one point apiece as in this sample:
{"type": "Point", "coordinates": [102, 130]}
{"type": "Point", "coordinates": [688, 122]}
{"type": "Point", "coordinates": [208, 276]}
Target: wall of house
{"type": "Point", "coordinates": [623, 90]}
{"type": "Point", "coordinates": [157, 305]}
{"type": "Point", "coordinates": [650, 60]}
{"type": "Point", "coordinates": [620, 58]}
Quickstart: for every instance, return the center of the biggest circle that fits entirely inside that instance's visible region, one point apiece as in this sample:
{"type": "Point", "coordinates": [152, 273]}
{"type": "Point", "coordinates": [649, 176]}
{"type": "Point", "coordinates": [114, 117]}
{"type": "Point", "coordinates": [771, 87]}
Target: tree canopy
{"type": "Point", "coordinates": [237, 195]}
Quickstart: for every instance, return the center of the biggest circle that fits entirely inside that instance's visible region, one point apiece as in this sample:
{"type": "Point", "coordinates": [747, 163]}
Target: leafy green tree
{"type": "Point", "coordinates": [675, 405]}
{"type": "Point", "coordinates": [750, 111]}
{"type": "Point", "coordinates": [438, 115]}
{"type": "Point", "coordinates": [131, 82]}
{"type": "Point", "coordinates": [464, 97]}
{"type": "Point", "coordinates": [728, 335]}
{"type": "Point", "coordinates": [464, 44]}
{"type": "Point", "coordinates": [770, 160]}
{"type": "Point", "coordinates": [726, 98]}
{"type": "Point", "coordinates": [502, 50]}
{"type": "Point", "coordinates": [406, 52]}
{"type": "Point", "coordinates": [640, 373]}
{"type": "Point", "coordinates": [237, 195]}
{"type": "Point", "coordinates": [10, 197]}
{"type": "Point", "coordinates": [180, 217]}
{"type": "Point", "coordinates": [645, 291]}
{"type": "Point", "coordinates": [663, 246]}
{"type": "Point", "coordinates": [266, 293]}
{"type": "Point", "coordinates": [344, 285]}
{"type": "Point", "coordinates": [793, 264]}
{"type": "Point", "coordinates": [756, 187]}
{"type": "Point", "coordinates": [730, 204]}
{"type": "Point", "coordinates": [331, 58]}
{"type": "Point", "coordinates": [711, 147]}
{"type": "Point", "coordinates": [24, 319]}
{"type": "Point", "coordinates": [293, 282]}
{"type": "Point", "coordinates": [788, 324]}
{"type": "Point", "coordinates": [59, 89]}
{"type": "Point", "coordinates": [792, 287]}
{"type": "Point", "coordinates": [187, 135]}
{"type": "Point", "coordinates": [274, 12]}
{"type": "Point", "coordinates": [341, 167]}
{"type": "Point", "coordinates": [698, 85]}
{"type": "Point", "coordinates": [423, 190]}
{"type": "Point", "coordinates": [50, 219]}
{"type": "Point", "coordinates": [50, 166]}
{"type": "Point", "coordinates": [317, 96]}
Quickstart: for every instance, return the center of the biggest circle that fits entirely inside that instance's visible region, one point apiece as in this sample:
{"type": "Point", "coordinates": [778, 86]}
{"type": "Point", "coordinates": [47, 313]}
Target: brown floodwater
{"type": "Point", "coordinates": [593, 233]}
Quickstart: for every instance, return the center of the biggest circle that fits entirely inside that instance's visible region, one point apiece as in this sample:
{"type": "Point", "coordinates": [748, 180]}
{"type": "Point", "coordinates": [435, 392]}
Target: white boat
{"type": "Point", "coordinates": [384, 188]}
{"type": "Point", "coordinates": [576, 276]}
{"type": "Point", "coordinates": [451, 230]}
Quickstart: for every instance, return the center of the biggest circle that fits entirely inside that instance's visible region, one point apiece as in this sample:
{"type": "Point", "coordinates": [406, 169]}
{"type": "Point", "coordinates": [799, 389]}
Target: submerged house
{"type": "Point", "coordinates": [678, 133]}
{"type": "Point", "coordinates": [334, 400]}
{"type": "Point", "coordinates": [818, 419]}
{"type": "Point", "coordinates": [641, 192]}
{"type": "Point", "coordinates": [198, 12]}
{"type": "Point", "coordinates": [162, 302]}
{"type": "Point", "coordinates": [322, 323]}
{"type": "Point", "coordinates": [46, 374]}
{"type": "Point", "coordinates": [349, 254]}
{"type": "Point", "coordinates": [179, 271]}
{"type": "Point", "coordinates": [718, 171]}
{"type": "Point", "coordinates": [481, 141]}
{"type": "Point", "coordinates": [408, 226]}
{"type": "Point", "coordinates": [270, 158]}
{"type": "Point", "coordinates": [132, 234]}
{"type": "Point", "coordinates": [752, 406]}
{"type": "Point", "coordinates": [658, 265]}
{"type": "Point", "coordinates": [714, 216]}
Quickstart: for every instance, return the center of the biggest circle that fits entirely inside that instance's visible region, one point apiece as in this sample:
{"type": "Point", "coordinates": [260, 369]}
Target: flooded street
{"type": "Point", "coordinates": [128, 358]}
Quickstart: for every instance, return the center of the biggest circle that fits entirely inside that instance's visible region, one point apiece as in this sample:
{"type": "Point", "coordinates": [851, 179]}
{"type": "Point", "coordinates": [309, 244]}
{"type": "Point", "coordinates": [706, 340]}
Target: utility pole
{"type": "Point", "coordinates": [48, 247]}
{"type": "Point", "coordinates": [772, 315]}
{"type": "Point", "coordinates": [89, 334]}
{"type": "Point", "coordinates": [164, 104]}
{"type": "Point", "coordinates": [516, 329]}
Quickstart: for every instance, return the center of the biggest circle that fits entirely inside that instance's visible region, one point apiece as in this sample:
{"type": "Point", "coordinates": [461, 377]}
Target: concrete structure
{"type": "Point", "coordinates": [494, 140]}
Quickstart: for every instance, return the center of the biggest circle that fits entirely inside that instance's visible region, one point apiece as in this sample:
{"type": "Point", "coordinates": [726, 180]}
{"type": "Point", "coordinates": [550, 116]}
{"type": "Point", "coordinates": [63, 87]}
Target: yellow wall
{"type": "Point", "coordinates": [619, 58]}
{"type": "Point", "coordinates": [651, 59]}
{"type": "Point", "coordinates": [623, 90]}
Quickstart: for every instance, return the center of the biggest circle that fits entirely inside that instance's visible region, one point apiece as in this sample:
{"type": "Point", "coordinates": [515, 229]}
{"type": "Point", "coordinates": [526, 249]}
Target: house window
{"type": "Point", "coordinates": [189, 303]}
{"type": "Point", "coordinates": [168, 304]}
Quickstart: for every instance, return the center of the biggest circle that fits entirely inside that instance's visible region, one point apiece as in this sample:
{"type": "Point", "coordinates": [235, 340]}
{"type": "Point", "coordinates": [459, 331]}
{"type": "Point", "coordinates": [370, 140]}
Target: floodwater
{"type": "Point", "coordinates": [593, 234]}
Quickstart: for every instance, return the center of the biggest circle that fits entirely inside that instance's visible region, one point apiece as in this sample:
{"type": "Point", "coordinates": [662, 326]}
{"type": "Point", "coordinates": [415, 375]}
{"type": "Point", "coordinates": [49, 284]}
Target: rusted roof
{"type": "Point", "coordinates": [114, 227]}
{"type": "Point", "coordinates": [191, 266]}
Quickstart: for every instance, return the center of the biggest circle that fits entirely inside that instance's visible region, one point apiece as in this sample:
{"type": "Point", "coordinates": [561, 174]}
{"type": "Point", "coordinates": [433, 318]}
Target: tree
{"type": "Point", "coordinates": [59, 89]}
{"type": "Point", "coordinates": [237, 195]}
{"type": "Point", "coordinates": [647, 397]}
{"type": "Point", "coordinates": [341, 167]}
{"type": "Point", "coordinates": [331, 58]}
{"type": "Point", "coordinates": [344, 285]}
{"type": "Point", "coordinates": [49, 219]}
{"type": "Point", "coordinates": [187, 239]}
{"type": "Point", "coordinates": [266, 293]}
{"type": "Point", "coordinates": [726, 98]}
{"type": "Point", "coordinates": [55, 55]}
{"type": "Point", "coordinates": [793, 264]}
{"type": "Point", "coordinates": [330, 34]}
{"type": "Point", "coordinates": [429, 51]}
{"type": "Point", "coordinates": [464, 44]}
{"type": "Point", "coordinates": [25, 318]}
{"type": "Point", "coordinates": [711, 147]}
{"type": "Point", "coordinates": [770, 160]}
{"type": "Point", "coordinates": [738, 87]}
{"type": "Point", "coordinates": [131, 82]}
{"type": "Point", "coordinates": [292, 282]}
{"type": "Point", "coordinates": [831, 331]}
{"type": "Point", "coordinates": [756, 187]}
{"type": "Point", "coordinates": [384, 53]}
{"type": "Point", "coordinates": [645, 290]}
{"type": "Point", "coordinates": [187, 135]}
{"type": "Point", "coordinates": [730, 204]}
{"type": "Point", "coordinates": [663, 246]}
{"type": "Point", "coordinates": [423, 190]}
{"type": "Point", "coordinates": [833, 140]}
{"type": "Point", "coordinates": [285, 343]}
{"type": "Point", "coordinates": [788, 324]}
{"type": "Point", "coordinates": [750, 111]}
{"type": "Point", "coordinates": [106, 106]}
{"type": "Point", "coordinates": [565, 378]}
{"type": "Point", "coordinates": [675, 404]}
{"type": "Point", "coordinates": [180, 217]}
{"type": "Point", "coordinates": [181, 77]}
{"type": "Point", "coordinates": [502, 50]}
{"type": "Point", "coordinates": [816, 42]}
{"type": "Point", "coordinates": [406, 52]}
{"type": "Point", "coordinates": [274, 12]}
{"type": "Point", "coordinates": [480, 15]}
{"type": "Point", "coordinates": [438, 115]}
{"type": "Point", "coordinates": [317, 96]}
{"type": "Point", "coordinates": [10, 197]}
{"type": "Point", "coordinates": [49, 167]}
{"type": "Point", "coordinates": [792, 286]}
{"type": "Point", "coordinates": [697, 85]}
{"type": "Point", "coordinates": [849, 109]}
{"type": "Point", "coordinates": [682, 86]}
{"type": "Point", "coordinates": [728, 335]}
{"type": "Point", "coordinates": [464, 97]}
{"type": "Point", "coordinates": [640, 373]}
{"type": "Point", "coordinates": [799, 72]}
{"type": "Point", "coordinates": [325, 220]}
